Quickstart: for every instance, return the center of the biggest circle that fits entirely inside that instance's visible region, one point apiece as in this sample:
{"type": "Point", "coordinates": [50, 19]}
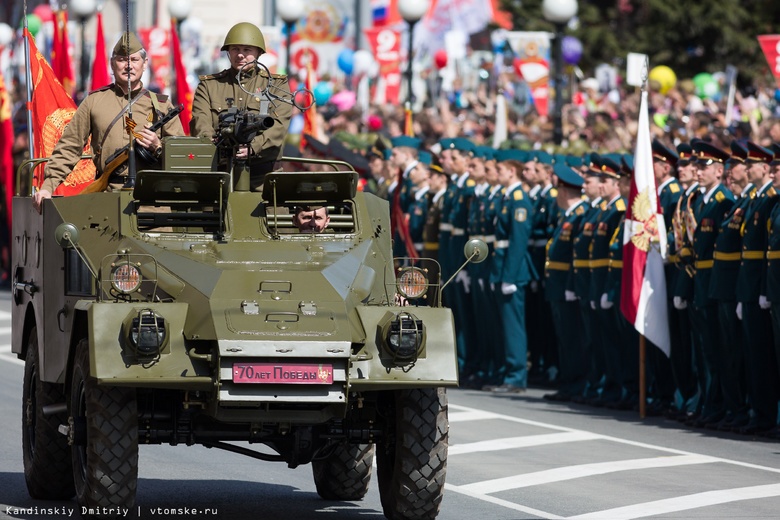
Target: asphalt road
{"type": "Point", "coordinates": [511, 458]}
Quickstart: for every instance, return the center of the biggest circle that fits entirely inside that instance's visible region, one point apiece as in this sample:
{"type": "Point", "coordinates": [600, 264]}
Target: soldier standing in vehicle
{"type": "Point", "coordinates": [244, 43]}
{"type": "Point", "coordinates": [101, 117]}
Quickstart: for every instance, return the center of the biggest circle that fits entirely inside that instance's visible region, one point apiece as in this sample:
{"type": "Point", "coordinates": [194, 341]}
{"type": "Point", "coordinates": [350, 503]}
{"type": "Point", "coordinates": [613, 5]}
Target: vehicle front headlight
{"type": "Point", "coordinates": [412, 282]}
{"type": "Point", "coordinates": [125, 277]}
{"type": "Point", "coordinates": [404, 338]}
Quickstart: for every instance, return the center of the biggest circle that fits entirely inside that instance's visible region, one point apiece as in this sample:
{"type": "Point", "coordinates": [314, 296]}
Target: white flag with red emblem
{"type": "Point", "coordinates": [643, 291]}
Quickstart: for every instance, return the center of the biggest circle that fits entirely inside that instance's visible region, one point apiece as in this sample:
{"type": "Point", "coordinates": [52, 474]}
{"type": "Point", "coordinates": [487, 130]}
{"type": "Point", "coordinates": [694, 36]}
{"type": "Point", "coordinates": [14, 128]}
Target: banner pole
{"type": "Point", "coordinates": [28, 80]}
{"type": "Point", "coordinates": [642, 385]}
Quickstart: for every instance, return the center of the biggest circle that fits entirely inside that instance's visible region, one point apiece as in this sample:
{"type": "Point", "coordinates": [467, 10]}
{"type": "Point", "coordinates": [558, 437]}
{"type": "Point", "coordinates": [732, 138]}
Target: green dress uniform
{"type": "Point", "coordinates": [512, 270]}
{"type": "Point", "coordinates": [431, 244]}
{"type": "Point", "coordinates": [445, 234]}
{"type": "Point", "coordinates": [581, 274]}
{"type": "Point", "coordinates": [475, 228]}
{"type": "Point", "coordinates": [605, 344]}
{"type": "Point", "coordinates": [418, 208]}
{"type": "Point", "coordinates": [726, 259]}
{"type": "Point", "coordinates": [494, 346]}
{"type": "Point", "coordinates": [711, 209]}
{"type": "Point", "coordinates": [93, 117]}
{"type": "Point", "coordinates": [567, 319]}
{"type": "Point", "coordinates": [773, 276]}
{"type": "Point", "coordinates": [756, 323]}
{"type": "Point", "coordinates": [211, 99]}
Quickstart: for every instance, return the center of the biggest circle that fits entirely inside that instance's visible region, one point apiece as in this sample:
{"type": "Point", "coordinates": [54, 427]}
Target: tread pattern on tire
{"type": "Point", "coordinates": [112, 442]}
{"type": "Point", "coordinates": [47, 467]}
{"type": "Point", "coordinates": [415, 468]}
{"type": "Point", "coordinates": [346, 473]}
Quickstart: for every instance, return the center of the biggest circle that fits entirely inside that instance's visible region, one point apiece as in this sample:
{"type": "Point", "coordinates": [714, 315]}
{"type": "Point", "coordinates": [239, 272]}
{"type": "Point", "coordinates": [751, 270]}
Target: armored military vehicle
{"type": "Point", "coordinates": [189, 310]}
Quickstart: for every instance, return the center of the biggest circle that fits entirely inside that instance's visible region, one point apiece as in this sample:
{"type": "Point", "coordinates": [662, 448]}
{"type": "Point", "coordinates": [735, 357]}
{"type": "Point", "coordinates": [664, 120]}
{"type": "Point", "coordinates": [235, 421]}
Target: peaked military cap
{"type": "Point", "coordinates": [738, 154]}
{"type": "Point", "coordinates": [435, 165]}
{"type": "Point", "coordinates": [425, 157]}
{"type": "Point", "coordinates": [462, 145]}
{"type": "Point", "coordinates": [758, 154]}
{"type": "Point", "coordinates": [511, 154]}
{"type": "Point", "coordinates": [543, 157]}
{"type": "Point", "coordinates": [685, 153]}
{"type": "Point", "coordinates": [662, 153]}
{"type": "Point", "coordinates": [128, 44]}
{"type": "Point", "coordinates": [405, 140]}
{"type": "Point", "coordinates": [566, 175]}
{"type": "Point", "coordinates": [376, 150]}
{"type": "Point", "coordinates": [575, 161]}
{"type": "Point", "coordinates": [775, 147]}
{"type": "Point", "coordinates": [707, 153]}
{"type": "Point", "coordinates": [484, 152]}
{"type": "Point", "coordinates": [608, 167]}
{"type": "Point", "coordinates": [627, 165]}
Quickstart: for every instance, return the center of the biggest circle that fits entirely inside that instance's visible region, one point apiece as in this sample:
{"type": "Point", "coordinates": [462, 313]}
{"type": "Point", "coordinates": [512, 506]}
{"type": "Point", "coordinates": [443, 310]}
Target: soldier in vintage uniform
{"type": "Point", "coordinates": [244, 43]}
{"type": "Point", "coordinates": [559, 286]}
{"type": "Point", "coordinates": [711, 208]}
{"type": "Point", "coordinates": [510, 273]}
{"type": "Point", "coordinates": [752, 304]}
{"type": "Point", "coordinates": [101, 117]}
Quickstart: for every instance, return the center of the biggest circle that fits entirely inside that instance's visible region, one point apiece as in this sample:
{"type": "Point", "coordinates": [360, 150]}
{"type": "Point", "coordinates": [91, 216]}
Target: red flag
{"type": "Point", "coordinates": [310, 115]}
{"type": "Point", "coordinates": [60, 57]}
{"type": "Point", "coordinates": [6, 146]}
{"type": "Point", "coordinates": [100, 77]}
{"type": "Point", "coordinates": [183, 91]}
{"type": "Point", "coordinates": [643, 288]}
{"type": "Point", "coordinates": [52, 109]}
{"type": "Point", "coordinates": [770, 44]}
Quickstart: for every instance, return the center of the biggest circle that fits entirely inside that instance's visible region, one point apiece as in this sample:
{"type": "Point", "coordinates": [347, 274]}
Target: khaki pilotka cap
{"type": "Point", "coordinates": [128, 44]}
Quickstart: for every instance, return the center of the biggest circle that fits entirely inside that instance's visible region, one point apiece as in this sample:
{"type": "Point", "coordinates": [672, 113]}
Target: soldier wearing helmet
{"type": "Point", "coordinates": [244, 43]}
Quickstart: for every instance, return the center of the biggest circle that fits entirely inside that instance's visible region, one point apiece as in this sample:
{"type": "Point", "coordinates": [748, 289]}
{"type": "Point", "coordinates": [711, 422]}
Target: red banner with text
{"type": "Point", "coordinates": [386, 46]}
{"type": "Point", "coordinates": [770, 44]}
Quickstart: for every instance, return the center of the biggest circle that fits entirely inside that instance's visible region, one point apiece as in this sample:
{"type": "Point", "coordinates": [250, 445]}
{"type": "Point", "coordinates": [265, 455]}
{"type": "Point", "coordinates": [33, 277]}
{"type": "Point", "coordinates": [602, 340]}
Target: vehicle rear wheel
{"type": "Point", "coordinates": [344, 474]}
{"type": "Point", "coordinates": [105, 449]}
{"type": "Point", "coordinates": [412, 462]}
{"type": "Point", "coordinates": [47, 466]}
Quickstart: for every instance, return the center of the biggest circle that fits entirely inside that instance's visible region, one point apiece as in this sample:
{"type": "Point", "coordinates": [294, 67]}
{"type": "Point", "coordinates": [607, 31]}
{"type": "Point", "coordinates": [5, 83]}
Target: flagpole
{"type": "Point", "coordinates": [642, 376]}
{"type": "Point", "coordinates": [28, 80]}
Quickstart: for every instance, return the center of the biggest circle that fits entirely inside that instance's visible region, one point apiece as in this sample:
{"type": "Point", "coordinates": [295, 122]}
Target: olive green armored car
{"type": "Point", "coordinates": [187, 309]}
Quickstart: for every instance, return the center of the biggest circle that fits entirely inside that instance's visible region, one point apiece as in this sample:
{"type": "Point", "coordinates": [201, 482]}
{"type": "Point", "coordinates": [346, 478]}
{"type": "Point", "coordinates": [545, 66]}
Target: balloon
{"type": "Point", "coordinates": [6, 34]}
{"type": "Point", "coordinates": [33, 24]}
{"type": "Point", "coordinates": [44, 12]}
{"type": "Point", "coordinates": [777, 95]}
{"type": "Point", "coordinates": [322, 92]}
{"type": "Point", "coordinates": [571, 49]}
{"type": "Point", "coordinates": [664, 76]}
{"type": "Point", "coordinates": [362, 61]}
{"type": "Point", "coordinates": [346, 61]}
{"type": "Point", "coordinates": [440, 59]}
{"type": "Point", "coordinates": [706, 86]}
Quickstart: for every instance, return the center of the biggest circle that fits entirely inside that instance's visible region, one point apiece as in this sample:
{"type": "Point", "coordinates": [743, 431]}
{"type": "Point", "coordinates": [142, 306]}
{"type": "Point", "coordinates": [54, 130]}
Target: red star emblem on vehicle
{"type": "Point", "coordinates": [191, 157]}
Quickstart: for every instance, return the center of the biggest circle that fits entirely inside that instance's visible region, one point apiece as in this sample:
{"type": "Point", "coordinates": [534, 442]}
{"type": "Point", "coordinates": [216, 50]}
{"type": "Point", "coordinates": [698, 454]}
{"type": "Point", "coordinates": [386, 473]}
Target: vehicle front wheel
{"type": "Point", "coordinates": [344, 474]}
{"type": "Point", "coordinates": [412, 461]}
{"type": "Point", "coordinates": [105, 449]}
{"type": "Point", "coordinates": [47, 467]}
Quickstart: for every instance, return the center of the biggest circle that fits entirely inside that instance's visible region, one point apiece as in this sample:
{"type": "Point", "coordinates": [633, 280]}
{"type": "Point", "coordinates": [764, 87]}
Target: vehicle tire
{"type": "Point", "coordinates": [105, 458]}
{"type": "Point", "coordinates": [344, 474]}
{"type": "Point", "coordinates": [46, 454]}
{"type": "Point", "coordinates": [412, 462]}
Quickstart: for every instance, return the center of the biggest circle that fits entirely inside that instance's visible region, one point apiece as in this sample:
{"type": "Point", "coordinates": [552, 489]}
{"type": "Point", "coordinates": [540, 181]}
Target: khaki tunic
{"type": "Point", "coordinates": [210, 99]}
{"type": "Point", "coordinates": [92, 118]}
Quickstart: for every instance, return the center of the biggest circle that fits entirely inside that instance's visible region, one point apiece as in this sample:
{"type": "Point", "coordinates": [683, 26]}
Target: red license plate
{"type": "Point", "coordinates": [285, 373]}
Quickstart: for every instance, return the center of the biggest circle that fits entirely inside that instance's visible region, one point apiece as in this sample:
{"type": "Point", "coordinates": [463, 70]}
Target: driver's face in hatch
{"type": "Point", "coordinates": [310, 220]}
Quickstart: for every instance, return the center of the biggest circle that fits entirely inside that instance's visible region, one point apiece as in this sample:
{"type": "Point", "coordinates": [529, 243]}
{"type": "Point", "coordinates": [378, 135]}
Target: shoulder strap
{"type": "Point", "coordinates": [118, 116]}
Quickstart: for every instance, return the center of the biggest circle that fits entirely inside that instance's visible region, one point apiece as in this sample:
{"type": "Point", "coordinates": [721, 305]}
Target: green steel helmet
{"type": "Point", "coordinates": [244, 33]}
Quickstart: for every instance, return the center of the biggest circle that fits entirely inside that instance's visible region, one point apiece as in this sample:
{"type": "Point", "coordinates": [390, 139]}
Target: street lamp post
{"type": "Point", "coordinates": [83, 11]}
{"type": "Point", "coordinates": [559, 12]}
{"type": "Point", "coordinates": [179, 11]}
{"type": "Point", "coordinates": [290, 11]}
{"type": "Point", "coordinates": [411, 11]}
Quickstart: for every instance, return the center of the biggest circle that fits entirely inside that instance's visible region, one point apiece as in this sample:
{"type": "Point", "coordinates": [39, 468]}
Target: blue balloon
{"type": "Point", "coordinates": [322, 92]}
{"type": "Point", "coordinates": [571, 49]}
{"type": "Point", "coordinates": [777, 95]}
{"type": "Point", "coordinates": [346, 61]}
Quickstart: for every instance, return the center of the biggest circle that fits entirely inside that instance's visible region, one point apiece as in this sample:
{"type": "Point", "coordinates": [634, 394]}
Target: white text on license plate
{"type": "Point", "coordinates": [286, 373]}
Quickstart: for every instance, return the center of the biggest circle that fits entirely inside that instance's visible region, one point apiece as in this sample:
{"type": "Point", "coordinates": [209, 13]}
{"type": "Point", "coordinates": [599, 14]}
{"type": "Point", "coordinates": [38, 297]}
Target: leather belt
{"type": "Point", "coordinates": [753, 255]}
{"type": "Point", "coordinates": [727, 257]}
{"type": "Point", "coordinates": [596, 264]}
{"type": "Point", "coordinates": [432, 246]}
{"type": "Point", "coordinates": [617, 264]}
{"type": "Point", "coordinates": [502, 244]}
{"type": "Point", "coordinates": [773, 255]}
{"type": "Point", "coordinates": [557, 266]}
{"type": "Point", "coordinates": [581, 263]}
{"type": "Point", "coordinates": [456, 231]}
{"type": "Point", "coordinates": [489, 239]}
{"type": "Point", "coordinates": [704, 264]}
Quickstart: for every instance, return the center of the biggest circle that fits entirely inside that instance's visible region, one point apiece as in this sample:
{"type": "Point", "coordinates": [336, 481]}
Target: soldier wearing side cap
{"type": "Point", "coordinates": [752, 303]}
{"type": "Point", "coordinates": [559, 286]}
{"type": "Point", "coordinates": [711, 208]}
{"type": "Point", "coordinates": [101, 117]}
{"type": "Point", "coordinates": [244, 44]}
{"type": "Point", "coordinates": [726, 258]}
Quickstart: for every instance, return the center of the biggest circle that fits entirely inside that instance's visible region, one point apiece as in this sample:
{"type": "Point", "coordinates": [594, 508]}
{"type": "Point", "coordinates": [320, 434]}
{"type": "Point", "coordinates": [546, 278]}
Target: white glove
{"type": "Point", "coordinates": [492, 286]}
{"type": "Point", "coordinates": [605, 303]}
{"type": "Point", "coordinates": [593, 305]}
{"type": "Point", "coordinates": [570, 296]}
{"type": "Point", "coordinates": [464, 278]}
{"type": "Point", "coordinates": [481, 283]}
{"type": "Point", "coordinates": [534, 285]}
{"type": "Point", "coordinates": [739, 310]}
{"type": "Point", "coordinates": [764, 303]}
{"type": "Point", "coordinates": [679, 303]}
{"type": "Point", "coordinates": [508, 288]}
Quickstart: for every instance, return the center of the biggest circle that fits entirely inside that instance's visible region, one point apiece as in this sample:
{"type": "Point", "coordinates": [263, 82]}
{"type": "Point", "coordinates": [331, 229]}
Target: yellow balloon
{"type": "Point", "coordinates": [664, 76]}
